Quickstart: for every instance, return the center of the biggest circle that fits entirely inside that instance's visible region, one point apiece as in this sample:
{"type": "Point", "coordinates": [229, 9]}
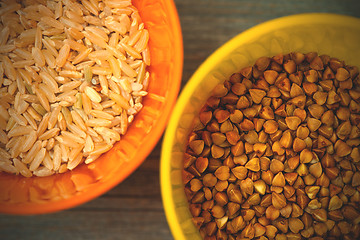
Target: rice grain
{"type": "Point", "coordinates": [57, 157]}
{"type": "Point", "coordinates": [25, 76]}
{"type": "Point", "coordinates": [76, 34]}
{"type": "Point", "coordinates": [98, 32]}
{"type": "Point", "coordinates": [78, 120]}
{"type": "Point", "coordinates": [4, 139]}
{"type": "Point", "coordinates": [64, 152]}
{"type": "Point", "coordinates": [97, 106]}
{"type": "Point", "coordinates": [73, 137]}
{"type": "Point", "coordinates": [101, 70]}
{"type": "Point", "coordinates": [124, 122]}
{"type": "Point", "coordinates": [49, 134]}
{"type": "Point", "coordinates": [29, 142]}
{"type": "Point", "coordinates": [31, 153]}
{"type": "Point", "coordinates": [68, 142]}
{"type": "Point", "coordinates": [92, 20]}
{"type": "Point", "coordinates": [47, 162]}
{"type": "Point", "coordinates": [43, 10]}
{"type": "Point", "coordinates": [86, 102]}
{"type": "Point", "coordinates": [33, 74]}
{"type": "Point", "coordinates": [69, 86]}
{"type": "Point", "coordinates": [75, 162]}
{"type": "Point", "coordinates": [115, 52]}
{"type": "Point", "coordinates": [15, 150]}
{"type": "Point", "coordinates": [142, 42]}
{"type": "Point", "coordinates": [61, 122]}
{"type": "Point", "coordinates": [81, 56]}
{"type": "Point", "coordinates": [100, 54]}
{"type": "Point", "coordinates": [101, 148]}
{"type": "Point", "coordinates": [43, 124]}
{"type": "Point", "coordinates": [94, 39]}
{"type": "Point", "coordinates": [63, 168]}
{"type": "Point", "coordinates": [50, 144]}
{"type": "Point", "coordinates": [43, 172]}
{"type": "Point", "coordinates": [127, 69]}
{"type": "Point", "coordinates": [19, 131]}
{"type": "Point", "coordinates": [6, 48]}
{"type": "Point", "coordinates": [115, 67]}
{"type": "Point", "coordinates": [107, 132]}
{"type": "Point", "coordinates": [23, 63]}
{"type": "Point", "coordinates": [54, 116]}
{"type": "Point", "coordinates": [74, 16]}
{"type": "Point", "coordinates": [19, 119]}
{"type": "Point", "coordinates": [38, 37]}
{"type": "Point", "coordinates": [49, 81]}
{"type": "Point", "coordinates": [42, 99]}
{"type": "Point", "coordinates": [89, 144]}
{"type": "Point", "coordinates": [22, 168]}
{"type": "Point", "coordinates": [49, 58]}
{"type": "Point", "coordinates": [70, 24]}
{"type": "Point", "coordinates": [4, 34]}
{"type": "Point", "coordinates": [75, 45]}
{"type": "Point", "coordinates": [4, 113]}
{"type": "Point", "coordinates": [74, 153]}
{"type": "Point", "coordinates": [12, 88]}
{"type": "Point", "coordinates": [131, 51]}
{"type": "Point", "coordinates": [10, 71]}
{"type": "Point", "coordinates": [91, 7]}
{"type": "Point", "coordinates": [63, 55]}
{"type": "Point", "coordinates": [101, 114]}
{"type": "Point", "coordinates": [115, 26]}
{"type": "Point", "coordinates": [97, 122]}
{"type": "Point", "coordinates": [50, 47]}
{"type": "Point", "coordinates": [8, 167]}
{"type": "Point", "coordinates": [92, 158]}
{"type": "Point", "coordinates": [39, 157]}
{"type": "Point", "coordinates": [70, 74]}
{"type": "Point", "coordinates": [30, 120]}
{"type": "Point", "coordinates": [114, 39]}
{"type": "Point", "coordinates": [52, 32]}
{"type": "Point", "coordinates": [20, 52]}
{"type": "Point", "coordinates": [134, 37]}
{"type": "Point", "coordinates": [38, 56]}
{"type": "Point", "coordinates": [33, 113]}
{"type": "Point", "coordinates": [92, 94]}
{"type": "Point", "coordinates": [9, 125]}
{"type": "Point", "coordinates": [77, 131]}
{"type": "Point", "coordinates": [119, 100]}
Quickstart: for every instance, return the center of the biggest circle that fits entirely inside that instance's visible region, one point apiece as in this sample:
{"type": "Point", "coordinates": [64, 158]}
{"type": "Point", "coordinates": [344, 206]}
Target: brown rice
{"type": "Point", "coordinates": [72, 77]}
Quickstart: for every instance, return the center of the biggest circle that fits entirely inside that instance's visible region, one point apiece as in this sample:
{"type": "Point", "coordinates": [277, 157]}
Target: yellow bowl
{"type": "Point", "coordinates": [331, 34]}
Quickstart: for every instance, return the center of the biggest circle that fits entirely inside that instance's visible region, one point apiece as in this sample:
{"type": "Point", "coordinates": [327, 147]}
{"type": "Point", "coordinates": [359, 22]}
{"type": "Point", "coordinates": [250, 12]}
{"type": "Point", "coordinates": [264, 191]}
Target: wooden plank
{"type": "Point", "coordinates": [126, 204]}
{"type": "Point", "coordinates": [77, 224]}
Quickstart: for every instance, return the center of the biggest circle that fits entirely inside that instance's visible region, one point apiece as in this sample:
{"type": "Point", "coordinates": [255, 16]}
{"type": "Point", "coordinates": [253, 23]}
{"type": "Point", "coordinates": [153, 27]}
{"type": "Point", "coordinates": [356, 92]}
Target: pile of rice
{"type": "Point", "coordinates": [72, 77]}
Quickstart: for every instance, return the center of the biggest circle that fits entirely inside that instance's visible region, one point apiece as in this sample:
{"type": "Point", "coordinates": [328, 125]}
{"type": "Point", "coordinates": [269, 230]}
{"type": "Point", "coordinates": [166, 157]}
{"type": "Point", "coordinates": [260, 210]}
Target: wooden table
{"type": "Point", "coordinates": [133, 210]}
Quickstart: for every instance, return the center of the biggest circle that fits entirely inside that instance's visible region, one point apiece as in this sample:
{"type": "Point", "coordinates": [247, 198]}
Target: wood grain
{"type": "Point", "coordinates": [133, 210]}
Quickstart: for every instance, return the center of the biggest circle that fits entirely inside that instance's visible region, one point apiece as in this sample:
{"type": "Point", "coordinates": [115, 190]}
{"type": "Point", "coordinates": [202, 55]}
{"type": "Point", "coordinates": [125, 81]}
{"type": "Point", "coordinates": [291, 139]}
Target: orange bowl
{"type": "Point", "coordinates": [38, 195]}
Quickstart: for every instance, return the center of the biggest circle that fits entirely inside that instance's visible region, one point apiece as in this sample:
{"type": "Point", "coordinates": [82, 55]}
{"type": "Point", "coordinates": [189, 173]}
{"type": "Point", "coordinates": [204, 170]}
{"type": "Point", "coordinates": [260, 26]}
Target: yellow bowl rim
{"type": "Point", "coordinates": [203, 70]}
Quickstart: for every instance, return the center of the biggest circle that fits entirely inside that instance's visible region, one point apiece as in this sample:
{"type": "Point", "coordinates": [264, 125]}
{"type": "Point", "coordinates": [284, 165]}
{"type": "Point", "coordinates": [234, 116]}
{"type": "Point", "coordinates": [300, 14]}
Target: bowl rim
{"type": "Point", "coordinates": [217, 56]}
{"type": "Point", "coordinates": [156, 131]}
